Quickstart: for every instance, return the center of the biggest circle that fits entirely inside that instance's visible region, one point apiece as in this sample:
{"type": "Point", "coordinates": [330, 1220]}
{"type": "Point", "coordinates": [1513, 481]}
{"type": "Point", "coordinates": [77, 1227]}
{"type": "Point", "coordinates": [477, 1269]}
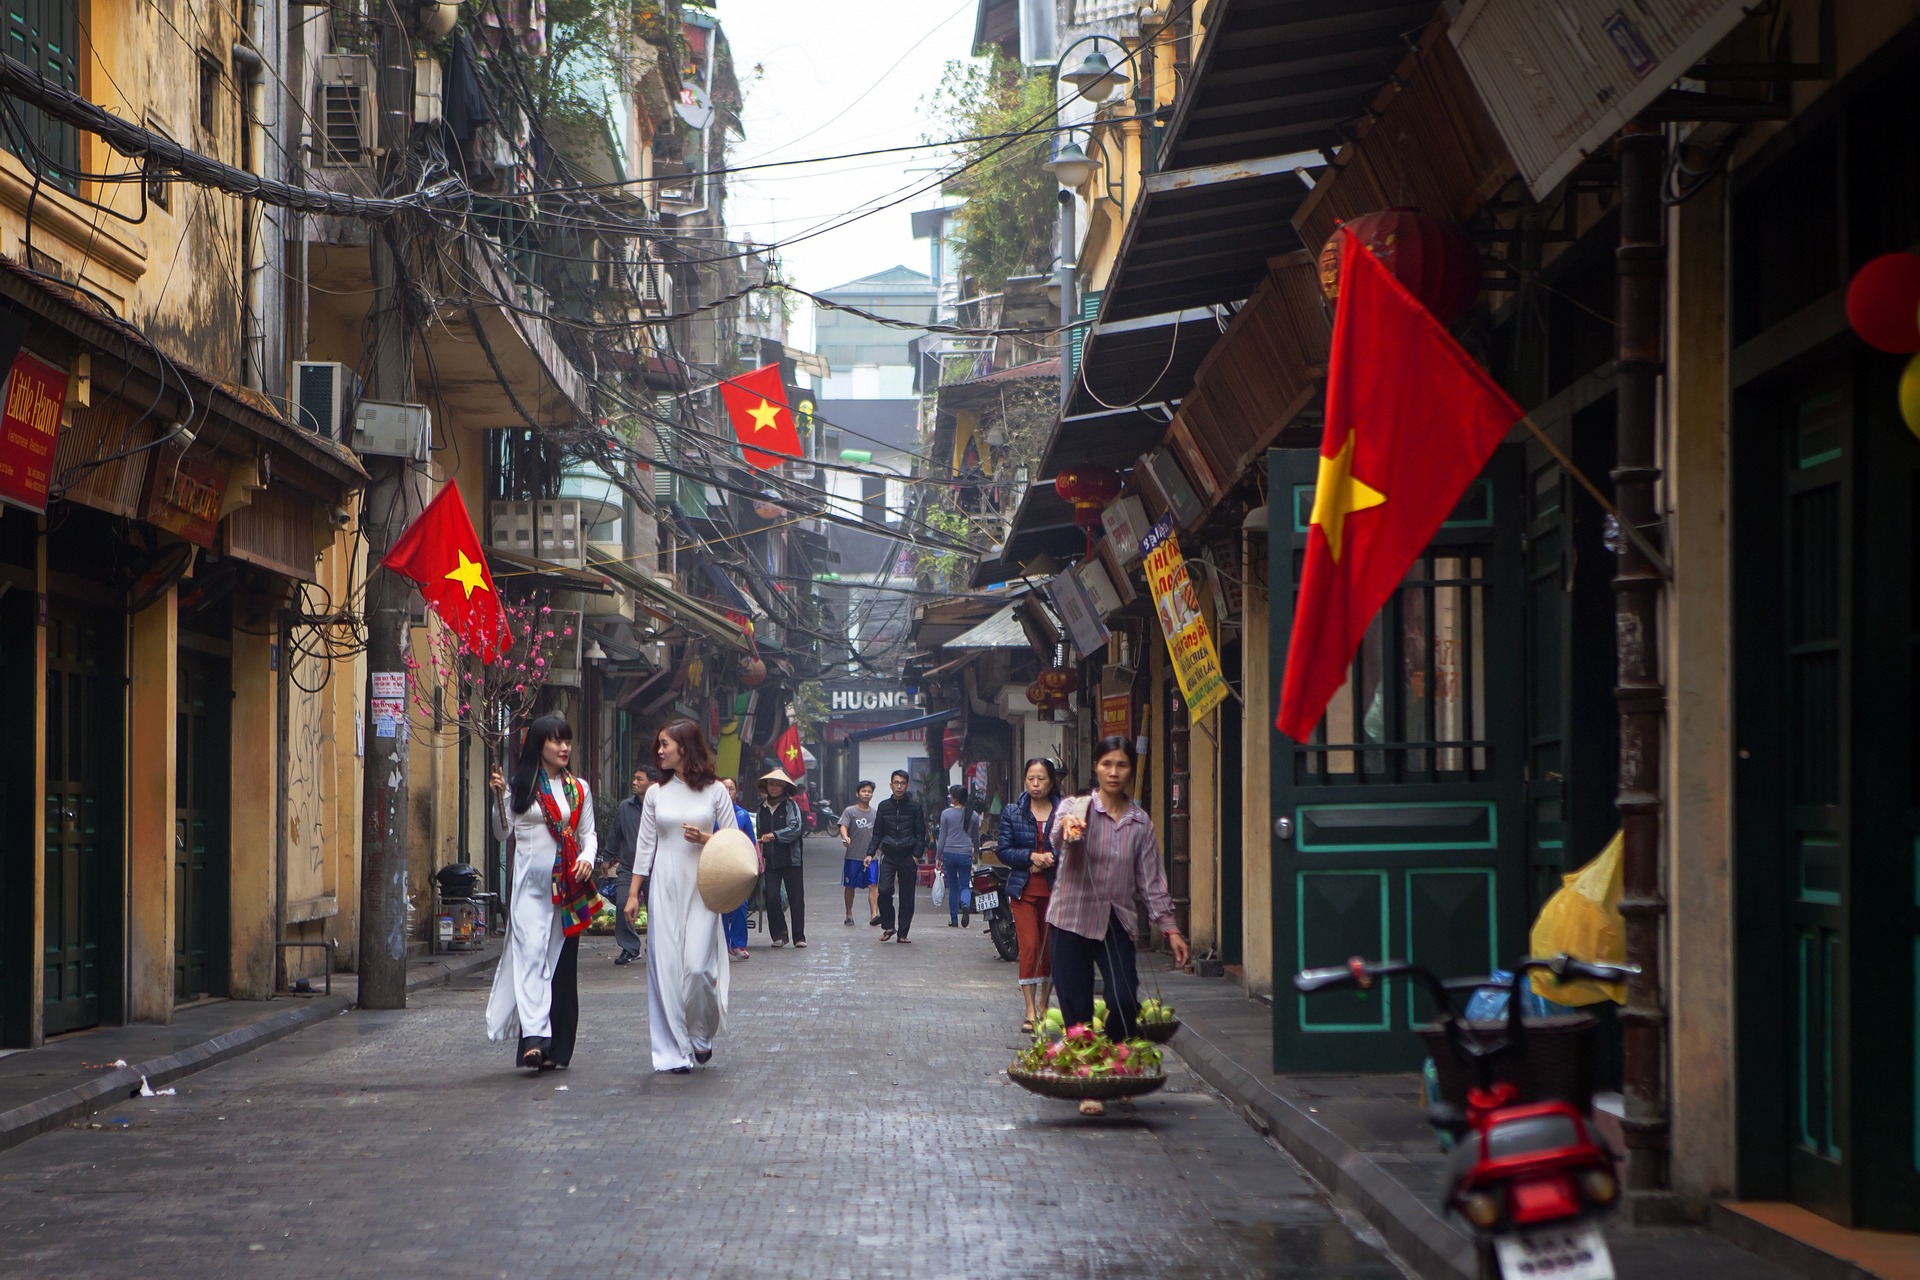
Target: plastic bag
{"type": "Point", "coordinates": [939, 888]}
{"type": "Point", "coordinates": [1489, 1003]}
{"type": "Point", "coordinates": [1582, 919]}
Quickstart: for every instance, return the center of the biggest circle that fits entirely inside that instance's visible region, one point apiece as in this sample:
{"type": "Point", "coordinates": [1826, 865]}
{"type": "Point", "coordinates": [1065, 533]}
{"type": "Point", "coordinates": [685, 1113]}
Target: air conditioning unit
{"type": "Point", "coordinates": [349, 108]}
{"type": "Point", "coordinates": [427, 95]}
{"type": "Point", "coordinates": [392, 430]}
{"type": "Point", "coordinates": [546, 530]}
{"type": "Point", "coordinates": [655, 285]}
{"type": "Point", "coordinates": [323, 391]}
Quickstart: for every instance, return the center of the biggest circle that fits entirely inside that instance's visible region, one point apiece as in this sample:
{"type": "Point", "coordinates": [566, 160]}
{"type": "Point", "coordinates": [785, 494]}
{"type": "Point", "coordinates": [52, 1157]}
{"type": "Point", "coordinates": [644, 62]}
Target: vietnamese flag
{"type": "Point", "coordinates": [441, 552]}
{"type": "Point", "coordinates": [757, 404]}
{"type": "Point", "coordinates": [1410, 421]}
{"type": "Point", "coordinates": [786, 748]}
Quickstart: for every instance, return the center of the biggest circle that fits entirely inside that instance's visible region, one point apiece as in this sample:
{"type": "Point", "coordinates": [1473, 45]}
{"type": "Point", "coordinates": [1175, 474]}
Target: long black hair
{"type": "Point", "coordinates": [526, 774]}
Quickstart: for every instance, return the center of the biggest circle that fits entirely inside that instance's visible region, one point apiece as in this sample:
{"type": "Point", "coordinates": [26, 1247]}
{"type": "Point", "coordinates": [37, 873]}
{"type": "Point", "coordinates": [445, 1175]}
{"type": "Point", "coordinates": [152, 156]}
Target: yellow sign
{"type": "Point", "coordinates": [1196, 662]}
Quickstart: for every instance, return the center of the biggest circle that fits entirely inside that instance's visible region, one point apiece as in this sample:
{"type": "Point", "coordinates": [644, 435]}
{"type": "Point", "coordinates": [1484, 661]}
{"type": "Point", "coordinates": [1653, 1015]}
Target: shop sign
{"type": "Point", "coordinates": [36, 396]}
{"type": "Point", "coordinates": [1077, 609]}
{"type": "Point", "coordinates": [1116, 715]}
{"type": "Point", "coordinates": [184, 492]}
{"type": "Point", "coordinates": [1125, 521]}
{"type": "Point", "coordinates": [1196, 663]}
{"type": "Point", "coordinates": [873, 699]}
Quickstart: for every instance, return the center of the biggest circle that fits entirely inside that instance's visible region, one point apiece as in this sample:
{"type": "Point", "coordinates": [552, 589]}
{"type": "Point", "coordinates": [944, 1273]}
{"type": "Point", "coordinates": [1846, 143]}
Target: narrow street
{"type": "Point", "coordinates": [854, 1122]}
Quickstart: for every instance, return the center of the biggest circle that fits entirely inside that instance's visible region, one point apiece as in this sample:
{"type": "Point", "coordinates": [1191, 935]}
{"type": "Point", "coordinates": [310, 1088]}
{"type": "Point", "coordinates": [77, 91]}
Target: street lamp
{"type": "Point", "coordinates": [1071, 165]}
{"type": "Point", "coordinates": [1095, 77]}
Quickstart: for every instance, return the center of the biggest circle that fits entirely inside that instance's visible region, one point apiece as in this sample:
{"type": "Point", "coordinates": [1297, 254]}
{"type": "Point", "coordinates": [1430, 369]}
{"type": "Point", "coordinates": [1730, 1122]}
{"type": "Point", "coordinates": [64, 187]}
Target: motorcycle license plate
{"type": "Point", "coordinates": [987, 901]}
{"type": "Point", "coordinates": [1555, 1253]}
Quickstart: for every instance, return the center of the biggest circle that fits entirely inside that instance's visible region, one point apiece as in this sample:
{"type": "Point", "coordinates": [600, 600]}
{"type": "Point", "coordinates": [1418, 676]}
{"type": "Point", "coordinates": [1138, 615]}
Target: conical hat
{"type": "Point", "coordinates": [779, 776]}
{"type": "Point", "coordinates": [729, 864]}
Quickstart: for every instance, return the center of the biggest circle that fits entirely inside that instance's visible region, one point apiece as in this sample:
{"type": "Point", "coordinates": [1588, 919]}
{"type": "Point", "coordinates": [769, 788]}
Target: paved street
{"type": "Point", "coordinates": [854, 1122]}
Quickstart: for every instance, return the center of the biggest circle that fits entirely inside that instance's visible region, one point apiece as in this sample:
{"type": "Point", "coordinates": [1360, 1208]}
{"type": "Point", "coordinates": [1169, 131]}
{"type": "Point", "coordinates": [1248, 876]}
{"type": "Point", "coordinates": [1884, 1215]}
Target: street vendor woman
{"type": "Point", "coordinates": [549, 812]}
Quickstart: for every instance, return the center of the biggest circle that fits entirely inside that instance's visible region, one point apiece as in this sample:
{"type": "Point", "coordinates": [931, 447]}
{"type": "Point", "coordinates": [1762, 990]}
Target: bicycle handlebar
{"type": "Point", "coordinates": [1361, 973]}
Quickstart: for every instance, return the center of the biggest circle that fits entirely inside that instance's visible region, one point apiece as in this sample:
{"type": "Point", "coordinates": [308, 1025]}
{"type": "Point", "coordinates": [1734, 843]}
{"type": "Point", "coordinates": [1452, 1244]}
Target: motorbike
{"type": "Point", "coordinates": [1527, 1174]}
{"type": "Point", "coordinates": [991, 905]}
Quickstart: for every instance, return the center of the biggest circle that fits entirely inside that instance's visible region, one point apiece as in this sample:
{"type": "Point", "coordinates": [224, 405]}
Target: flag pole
{"type": "Point", "coordinates": [1658, 561]}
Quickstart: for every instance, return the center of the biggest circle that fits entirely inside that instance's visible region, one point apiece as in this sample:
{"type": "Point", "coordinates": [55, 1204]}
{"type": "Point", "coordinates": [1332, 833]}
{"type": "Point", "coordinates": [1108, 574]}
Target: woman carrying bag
{"type": "Point", "coordinates": [549, 812]}
{"type": "Point", "coordinates": [687, 968]}
{"type": "Point", "coordinates": [1025, 847]}
{"type": "Point", "coordinates": [1108, 854]}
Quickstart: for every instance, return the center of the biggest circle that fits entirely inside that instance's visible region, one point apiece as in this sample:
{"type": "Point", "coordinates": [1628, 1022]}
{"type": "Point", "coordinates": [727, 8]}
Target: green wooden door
{"type": "Point", "coordinates": [1399, 827]}
{"type": "Point", "coordinates": [201, 784]}
{"type": "Point", "coordinates": [81, 902]}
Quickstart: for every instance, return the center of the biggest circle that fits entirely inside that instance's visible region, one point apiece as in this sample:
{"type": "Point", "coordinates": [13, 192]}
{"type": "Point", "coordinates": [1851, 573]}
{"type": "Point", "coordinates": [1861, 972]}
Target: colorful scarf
{"type": "Point", "coordinates": [577, 899]}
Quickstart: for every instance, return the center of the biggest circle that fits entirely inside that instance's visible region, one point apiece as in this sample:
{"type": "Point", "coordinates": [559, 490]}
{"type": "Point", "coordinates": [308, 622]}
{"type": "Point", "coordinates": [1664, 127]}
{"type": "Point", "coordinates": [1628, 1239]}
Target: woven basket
{"type": "Point", "coordinates": [1074, 1088]}
{"type": "Point", "coordinates": [1157, 1032]}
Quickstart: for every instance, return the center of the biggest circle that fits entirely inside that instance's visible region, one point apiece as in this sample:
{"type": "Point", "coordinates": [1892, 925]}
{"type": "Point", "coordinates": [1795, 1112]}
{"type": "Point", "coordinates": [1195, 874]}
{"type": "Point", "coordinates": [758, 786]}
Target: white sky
{"type": "Point", "coordinates": [850, 75]}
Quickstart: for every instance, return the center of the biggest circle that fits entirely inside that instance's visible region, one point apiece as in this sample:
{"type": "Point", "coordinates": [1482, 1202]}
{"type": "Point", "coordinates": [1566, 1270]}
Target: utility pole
{"type": "Point", "coordinates": [390, 502]}
{"type": "Point", "coordinates": [1069, 306]}
{"type": "Point", "coordinates": [1179, 817]}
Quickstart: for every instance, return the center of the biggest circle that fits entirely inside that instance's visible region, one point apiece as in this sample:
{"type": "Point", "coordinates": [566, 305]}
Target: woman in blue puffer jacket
{"type": "Point", "coordinates": [1025, 848]}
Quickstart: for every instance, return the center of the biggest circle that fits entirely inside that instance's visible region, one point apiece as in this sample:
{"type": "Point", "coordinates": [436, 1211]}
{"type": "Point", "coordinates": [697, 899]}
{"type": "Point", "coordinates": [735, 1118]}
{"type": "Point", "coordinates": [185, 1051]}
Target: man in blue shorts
{"type": "Point", "coordinates": [857, 870]}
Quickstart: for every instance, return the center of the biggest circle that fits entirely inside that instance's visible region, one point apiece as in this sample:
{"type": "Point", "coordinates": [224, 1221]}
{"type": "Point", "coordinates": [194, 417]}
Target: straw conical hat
{"type": "Point", "coordinates": [729, 865]}
{"type": "Point", "coordinates": [779, 776]}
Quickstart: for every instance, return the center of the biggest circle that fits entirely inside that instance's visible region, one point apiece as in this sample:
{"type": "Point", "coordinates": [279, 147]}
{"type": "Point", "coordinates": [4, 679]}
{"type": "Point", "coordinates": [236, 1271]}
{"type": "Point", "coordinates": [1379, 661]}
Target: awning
{"type": "Point", "coordinates": [1003, 629]}
{"type": "Point", "coordinates": [677, 607]}
{"type": "Point", "coordinates": [924, 722]}
{"type": "Point", "coordinates": [511, 564]}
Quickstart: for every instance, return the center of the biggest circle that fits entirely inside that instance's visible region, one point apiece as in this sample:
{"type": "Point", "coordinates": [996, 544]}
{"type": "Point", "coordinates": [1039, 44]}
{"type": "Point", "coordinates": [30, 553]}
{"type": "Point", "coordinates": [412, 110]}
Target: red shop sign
{"type": "Point", "coordinates": [36, 395]}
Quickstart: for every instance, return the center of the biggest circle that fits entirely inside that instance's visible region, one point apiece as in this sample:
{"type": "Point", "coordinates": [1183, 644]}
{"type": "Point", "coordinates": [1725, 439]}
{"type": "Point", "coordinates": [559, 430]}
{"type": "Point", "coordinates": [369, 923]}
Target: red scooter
{"type": "Point", "coordinates": [1527, 1174]}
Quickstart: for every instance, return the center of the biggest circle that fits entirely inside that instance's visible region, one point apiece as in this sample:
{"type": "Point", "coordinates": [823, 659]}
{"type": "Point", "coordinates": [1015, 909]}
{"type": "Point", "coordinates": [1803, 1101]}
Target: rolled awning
{"type": "Point", "coordinates": [938, 717]}
{"type": "Point", "coordinates": [681, 608]}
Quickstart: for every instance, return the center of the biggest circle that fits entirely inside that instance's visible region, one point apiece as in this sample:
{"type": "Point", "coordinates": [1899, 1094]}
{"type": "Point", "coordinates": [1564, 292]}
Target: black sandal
{"type": "Point", "coordinates": [703, 1056]}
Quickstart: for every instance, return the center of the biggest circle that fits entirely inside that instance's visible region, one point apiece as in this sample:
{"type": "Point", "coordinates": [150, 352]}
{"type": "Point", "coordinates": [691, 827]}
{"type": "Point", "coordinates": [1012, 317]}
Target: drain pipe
{"type": "Point", "coordinates": [1638, 691]}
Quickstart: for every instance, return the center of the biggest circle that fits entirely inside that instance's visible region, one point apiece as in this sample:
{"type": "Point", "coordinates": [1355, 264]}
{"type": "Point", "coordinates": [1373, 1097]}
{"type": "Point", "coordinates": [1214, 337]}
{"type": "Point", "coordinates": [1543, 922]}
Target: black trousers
{"type": "Point", "coordinates": [1074, 960]}
{"type": "Point", "coordinates": [904, 873]}
{"type": "Point", "coordinates": [796, 883]}
{"type": "Point", "coordinates": [563, 1016]}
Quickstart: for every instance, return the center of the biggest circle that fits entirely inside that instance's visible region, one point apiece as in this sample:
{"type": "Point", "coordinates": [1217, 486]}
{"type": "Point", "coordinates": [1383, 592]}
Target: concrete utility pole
{"type": "Point", "coordinates": [1179, 817]}
{"type": "Point", "coordinates": [1069, 305]}
{"type": "Point", "coordinates": [389, 504]}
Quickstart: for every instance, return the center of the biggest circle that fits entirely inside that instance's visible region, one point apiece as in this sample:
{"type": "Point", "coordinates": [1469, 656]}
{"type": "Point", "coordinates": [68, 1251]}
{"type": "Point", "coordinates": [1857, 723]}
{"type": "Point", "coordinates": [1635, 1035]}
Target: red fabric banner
{"type": "Point", "coordinates": [757, 405]}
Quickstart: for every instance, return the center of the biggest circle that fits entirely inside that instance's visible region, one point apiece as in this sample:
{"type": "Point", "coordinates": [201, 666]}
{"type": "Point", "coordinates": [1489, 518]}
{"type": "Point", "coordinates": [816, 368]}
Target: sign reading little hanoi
{"type": "Point", "coordinates": [36, 394]}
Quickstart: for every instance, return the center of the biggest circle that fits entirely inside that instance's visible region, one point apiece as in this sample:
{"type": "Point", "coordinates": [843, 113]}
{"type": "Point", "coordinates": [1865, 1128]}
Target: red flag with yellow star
{"type": "Point", "coordinates": [786, 748]}
{"type": "Point", "coordinates": [757, 404]}
{"type": "Point", "coordinates": [1410, 421]}
{"type": "Point", "coordinates": [441, 552]}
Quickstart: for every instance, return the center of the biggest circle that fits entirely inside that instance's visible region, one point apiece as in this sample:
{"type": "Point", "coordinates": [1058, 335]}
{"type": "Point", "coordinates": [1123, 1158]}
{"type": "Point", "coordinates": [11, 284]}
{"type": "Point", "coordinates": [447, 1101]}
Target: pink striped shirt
{"type": "Point", "coordinates": [1099, 874]}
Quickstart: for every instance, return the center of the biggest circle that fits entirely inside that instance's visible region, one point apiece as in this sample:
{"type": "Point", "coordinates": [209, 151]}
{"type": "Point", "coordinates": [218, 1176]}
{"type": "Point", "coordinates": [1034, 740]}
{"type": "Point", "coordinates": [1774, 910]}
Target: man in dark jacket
{"type": "Point", "coordinates": [626, 836]}
{"type": "Point", "coordinates": [782, 840]}
{"type": "Point", "coordinates": [899, 834]}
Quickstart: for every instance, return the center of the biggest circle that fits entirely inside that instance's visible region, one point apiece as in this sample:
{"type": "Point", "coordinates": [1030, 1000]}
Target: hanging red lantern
{"type": "Point", "coordinates": [1089, 488]}
{"type": "Point", "coordinates": [1882, 302]}
{"type": "Point", "coordinates": [1037, 694]}
{"type": "Point", "coordinates": [1436, 260]}
{"type": "Point", "coordinates": [753, 673]}
{"type": "Point", "coordinates": [1059, 682]}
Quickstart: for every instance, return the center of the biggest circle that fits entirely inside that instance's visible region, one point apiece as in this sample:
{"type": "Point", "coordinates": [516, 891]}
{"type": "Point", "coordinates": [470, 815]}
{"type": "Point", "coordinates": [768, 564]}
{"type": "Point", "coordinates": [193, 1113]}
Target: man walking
{"type": "Point", "coordinates": [626, 836]}
{"type": "Point", "coordinates": [899, 831]}
{"type": "Point", "coordinates": [856, 836]}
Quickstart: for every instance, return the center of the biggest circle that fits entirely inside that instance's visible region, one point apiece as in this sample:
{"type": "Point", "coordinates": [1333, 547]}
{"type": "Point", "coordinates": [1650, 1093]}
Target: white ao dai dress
{"type": "Point", "coordinates": [687, 961]}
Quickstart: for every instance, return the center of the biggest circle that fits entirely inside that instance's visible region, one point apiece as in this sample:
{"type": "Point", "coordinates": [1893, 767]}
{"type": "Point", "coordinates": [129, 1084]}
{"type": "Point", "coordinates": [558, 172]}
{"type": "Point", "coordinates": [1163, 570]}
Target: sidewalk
{"type": "Point", "coordinates": [1365, 1139]}
{"type": "Point", "coordinates": [71, 1077]}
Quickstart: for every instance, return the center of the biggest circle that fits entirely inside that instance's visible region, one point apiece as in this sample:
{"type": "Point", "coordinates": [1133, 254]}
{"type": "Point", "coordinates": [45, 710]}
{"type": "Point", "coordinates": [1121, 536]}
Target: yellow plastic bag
{"type": "Point", "coordinates": [1582, 919]}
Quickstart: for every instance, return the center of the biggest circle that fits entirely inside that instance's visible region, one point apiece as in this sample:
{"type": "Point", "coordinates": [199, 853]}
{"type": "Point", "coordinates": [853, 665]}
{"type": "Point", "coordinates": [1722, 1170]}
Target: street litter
{"type": "Point", "coordinates": [148, 1091]}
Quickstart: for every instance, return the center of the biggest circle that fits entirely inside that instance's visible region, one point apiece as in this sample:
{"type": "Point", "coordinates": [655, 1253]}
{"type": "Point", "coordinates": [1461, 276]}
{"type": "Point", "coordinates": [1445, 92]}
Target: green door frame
{"type": "Point", "coordinates": [1417, 850]}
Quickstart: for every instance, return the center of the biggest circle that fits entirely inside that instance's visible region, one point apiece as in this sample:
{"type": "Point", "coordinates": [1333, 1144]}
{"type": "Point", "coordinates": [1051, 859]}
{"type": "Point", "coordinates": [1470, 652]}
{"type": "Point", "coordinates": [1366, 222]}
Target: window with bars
{"type": "Point", "coordinates": [44, 34]}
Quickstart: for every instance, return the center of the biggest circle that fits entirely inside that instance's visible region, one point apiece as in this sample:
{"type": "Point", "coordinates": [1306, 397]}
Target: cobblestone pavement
{"type": "Point", "coordinates": [855, 1122]}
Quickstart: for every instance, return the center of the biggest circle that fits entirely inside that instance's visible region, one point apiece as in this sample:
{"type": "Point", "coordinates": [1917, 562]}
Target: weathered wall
{"type": "Point", "coordinates": [151, 743]}
{"type": "Point", "coordinates": [1256, 818]}
{"type": "Point", "coordinates": [252, 879]}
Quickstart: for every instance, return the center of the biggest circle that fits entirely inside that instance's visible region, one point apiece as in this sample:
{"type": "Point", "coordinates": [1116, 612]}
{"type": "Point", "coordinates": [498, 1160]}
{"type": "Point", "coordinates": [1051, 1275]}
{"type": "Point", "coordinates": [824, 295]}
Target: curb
{"type": "Point", "coordinates": [1416, 1234]}
{"type": "Point", "coordinates": [61, 1108]}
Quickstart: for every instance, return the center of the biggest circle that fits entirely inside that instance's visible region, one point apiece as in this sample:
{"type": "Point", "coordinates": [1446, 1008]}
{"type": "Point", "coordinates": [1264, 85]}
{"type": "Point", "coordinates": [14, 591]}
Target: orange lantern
{"type": "Point", "coordinates": [1436, 260]}
{"type": "Point", "coordinates": [753, 673]}
{"type": "Point", "coordinates": [1059, 682]}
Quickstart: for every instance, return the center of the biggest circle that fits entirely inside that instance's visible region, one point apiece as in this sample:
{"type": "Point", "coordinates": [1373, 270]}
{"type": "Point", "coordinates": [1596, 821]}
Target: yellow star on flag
{"type": "Point", "coordinates": [1337, 495]}
{"type": "Point", "coordinates": [792, 755]}
{"type": "Point", "coordinates": [766, 417]}
{"type": "Point", "coordinates": [469, 575]}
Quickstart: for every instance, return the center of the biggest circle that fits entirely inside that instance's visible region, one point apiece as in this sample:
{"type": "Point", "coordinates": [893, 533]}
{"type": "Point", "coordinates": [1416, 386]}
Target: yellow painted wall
{"type": "Point", "coordinates": [252, 877]}
{"type": "Point", "coordinates": [1256, 816]}
{"type": "Point", "coordinates": [151, 743]}
{"type": "Point", "coordinates": [1203, 831]}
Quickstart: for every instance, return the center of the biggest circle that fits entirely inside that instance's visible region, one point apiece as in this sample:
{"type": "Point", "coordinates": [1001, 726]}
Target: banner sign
{"type": "Point", "coordinates": [1078, 611]}
{"type": "Point", "coordinates": [36, 395]}
{"type": "Point", "coordinates": [1195, 661]}
{"type": "Point", "coordinates": [1116, 715]}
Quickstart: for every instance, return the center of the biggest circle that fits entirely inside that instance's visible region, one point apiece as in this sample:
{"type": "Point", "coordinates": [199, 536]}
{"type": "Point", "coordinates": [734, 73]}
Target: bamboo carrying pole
{"type": "Point", "coordinates": [1638, 691]}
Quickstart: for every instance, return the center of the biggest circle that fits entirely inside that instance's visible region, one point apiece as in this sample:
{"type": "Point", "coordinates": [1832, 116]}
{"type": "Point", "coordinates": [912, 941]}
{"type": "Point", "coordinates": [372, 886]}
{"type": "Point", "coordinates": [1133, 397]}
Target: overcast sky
{"type": "Point", "coordinates": [833, 78]}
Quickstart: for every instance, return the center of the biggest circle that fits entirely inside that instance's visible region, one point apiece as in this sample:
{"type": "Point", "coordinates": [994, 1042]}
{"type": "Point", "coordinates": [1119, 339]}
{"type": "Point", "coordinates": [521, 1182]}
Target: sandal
{"type": "Point", "coordinates": [1026, 1025]}
{"type": "Point", "coordinates": [886, 935]}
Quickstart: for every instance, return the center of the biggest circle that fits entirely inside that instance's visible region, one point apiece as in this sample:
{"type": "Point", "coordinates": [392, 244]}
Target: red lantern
{"type": "Point", "coordinates": [1089, 488]}
{"type": "Point", "coordinates": [753, 673]}
{"type": "Point", "coordinates": [1037, 694]}
{"type": "Point", "coordinates": [1883, 303]}
{"type": "Point", "coordinates": [1436, 260]}
{"type": "Point", "coordinates": [1059, 682]}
